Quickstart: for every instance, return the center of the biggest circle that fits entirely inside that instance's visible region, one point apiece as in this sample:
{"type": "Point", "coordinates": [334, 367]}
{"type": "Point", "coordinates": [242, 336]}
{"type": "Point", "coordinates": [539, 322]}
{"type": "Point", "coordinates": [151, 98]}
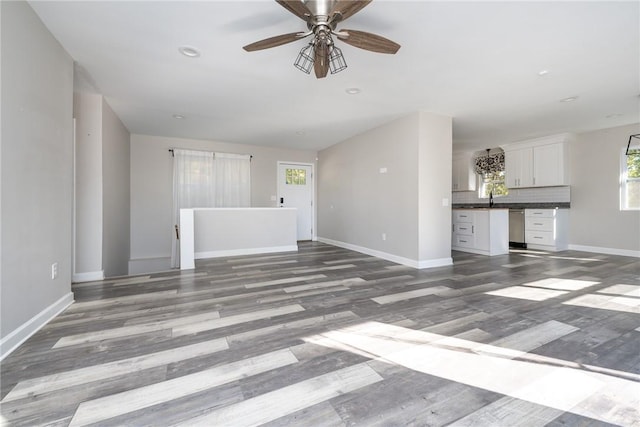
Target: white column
{"type": "Point", "coordinates": [187, 260]}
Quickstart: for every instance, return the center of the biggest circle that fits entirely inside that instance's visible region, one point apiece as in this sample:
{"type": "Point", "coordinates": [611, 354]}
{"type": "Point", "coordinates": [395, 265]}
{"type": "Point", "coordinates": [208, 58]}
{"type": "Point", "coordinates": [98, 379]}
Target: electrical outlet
{"type": "Point", "coordinates": [54, 270]}
{"type": "Point", "coordinates": [384, 236]}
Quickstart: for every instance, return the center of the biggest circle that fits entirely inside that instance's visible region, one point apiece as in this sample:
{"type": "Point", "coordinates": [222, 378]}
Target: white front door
{"type": "Point", "coordinates": [295, 190]}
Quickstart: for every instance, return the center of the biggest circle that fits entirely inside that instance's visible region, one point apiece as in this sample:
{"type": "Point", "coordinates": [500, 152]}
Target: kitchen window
{"type": "Point", "coordinates": [493, 183]}
{"type": "Point", "coordinates": [630, 180]}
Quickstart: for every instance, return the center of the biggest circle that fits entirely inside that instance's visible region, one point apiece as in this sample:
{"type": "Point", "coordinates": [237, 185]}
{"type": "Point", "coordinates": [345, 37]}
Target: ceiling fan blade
{"type": "Point", "coordinates": [321, 60]}
{"type": "Point", "coordinates": [274, 41]}
{"type": "Point", "coordinates": [368, 41]}
{"type": "Point", "coordinates": [297, 8]}
{"type": "Point", "coordinates": [347, 8]}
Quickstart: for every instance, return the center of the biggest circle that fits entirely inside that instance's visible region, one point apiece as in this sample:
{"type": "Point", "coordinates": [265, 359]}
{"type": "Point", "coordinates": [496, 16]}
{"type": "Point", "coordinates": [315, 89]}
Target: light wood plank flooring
{"type": "Point", "coordinates": [331, 337]}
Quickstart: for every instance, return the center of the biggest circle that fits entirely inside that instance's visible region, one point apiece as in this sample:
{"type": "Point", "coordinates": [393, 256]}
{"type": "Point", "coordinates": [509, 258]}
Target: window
{"type": "Point", "coordinates": [490, 168]}
{"type": "Point", "coordinates": [296, 177]}
{"type": "Point", "coordinates": [630, 180]}
{"type": "Point", "coordinates": [203, 179]}
{"type": "Point", "coordinates": [493, 183]}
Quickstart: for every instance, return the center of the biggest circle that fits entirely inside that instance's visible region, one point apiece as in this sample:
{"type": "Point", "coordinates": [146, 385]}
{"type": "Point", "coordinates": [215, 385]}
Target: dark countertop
{"type": "Point", "coordinates": [537, 205]}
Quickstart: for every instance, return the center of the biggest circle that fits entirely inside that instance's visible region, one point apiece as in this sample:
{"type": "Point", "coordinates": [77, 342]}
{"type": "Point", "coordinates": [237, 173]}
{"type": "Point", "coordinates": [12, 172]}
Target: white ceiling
{"type": "Point", "coordinates": [475, 61]}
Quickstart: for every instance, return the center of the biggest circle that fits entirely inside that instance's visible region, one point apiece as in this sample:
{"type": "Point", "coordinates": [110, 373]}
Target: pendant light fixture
{"type": "Point", "coordinates": [637, 136]}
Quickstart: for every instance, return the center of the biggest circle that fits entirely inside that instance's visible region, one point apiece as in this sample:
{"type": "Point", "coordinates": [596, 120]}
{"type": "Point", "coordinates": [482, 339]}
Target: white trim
{"type": "Point", "coordinates": [607, 251]}
{"type": "Point", "coordinates": [624, 180]}
{"type": "Point", "coordinates": [248, 251]}
{"type": "Point", "coordinates": [536, 142]}
{"type": "Point", "coordinates": [89, 276]}
{"type": "Point", "coordinates": [33, 325]}
{"type": "Point", "coordinates": [74, 203]}
{"type": "Point", "coordinates": [430, 263]}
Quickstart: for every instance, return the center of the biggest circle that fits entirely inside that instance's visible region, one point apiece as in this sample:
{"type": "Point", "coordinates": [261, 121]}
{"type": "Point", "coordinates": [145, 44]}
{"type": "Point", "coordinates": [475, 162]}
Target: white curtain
{"type": "Point", "coordinates": [233, 180]}
{"type": "Point", "coordinates": [193, 187]}
{"type": "Point", "coordinates": [203, 179]}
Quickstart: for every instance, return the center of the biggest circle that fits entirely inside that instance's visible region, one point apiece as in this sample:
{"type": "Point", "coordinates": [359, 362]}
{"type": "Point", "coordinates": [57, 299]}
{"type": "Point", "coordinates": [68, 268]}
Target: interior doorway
{"type": "Point", "coordinates": [295, 190]}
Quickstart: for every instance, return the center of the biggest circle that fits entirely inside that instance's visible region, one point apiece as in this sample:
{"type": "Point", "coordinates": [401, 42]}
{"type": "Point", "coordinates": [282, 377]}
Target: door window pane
{"type": "Point", "coordinates": [296, 177]}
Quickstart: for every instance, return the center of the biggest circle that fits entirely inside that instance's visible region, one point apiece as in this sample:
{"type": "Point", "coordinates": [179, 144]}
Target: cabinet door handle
{"type": "Point", "coordinates": [537, 237]}
{"type": "Point", "coordinates": [463, 241]}
{"type": "Point", "coordinates": [538, 223]}
{"type": "Point", "coordinates": [472, 228]}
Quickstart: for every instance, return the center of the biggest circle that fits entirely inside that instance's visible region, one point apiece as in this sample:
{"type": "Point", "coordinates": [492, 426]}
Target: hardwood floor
{"type": "Point", "coordinates": [331, 337]}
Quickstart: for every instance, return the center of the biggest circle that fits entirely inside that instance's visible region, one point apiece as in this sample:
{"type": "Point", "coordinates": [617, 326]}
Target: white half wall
{"type": "Point", "coordinates": [151, 190]}
{"type": "Point", "coordinates": [36, 182]}
{"type": "Point", "coordinates": [596, 222]}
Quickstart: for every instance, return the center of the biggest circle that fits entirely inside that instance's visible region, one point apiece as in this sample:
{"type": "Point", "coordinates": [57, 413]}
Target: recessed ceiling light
{"type": "Point", "coordinates": [300, 132]}
{"type": "Point", "coordinates": [178, 116]}
{"type": "Point", "coordinates": [543, 72]}
{"type": "Point", "coordinates": [353, 91]}
{"type": "Point", "coordinates": [613, 116]}
{"type": "Point", "coordinates": [569, 99]}
{"type": "Point", "coordinates": [189, 51]}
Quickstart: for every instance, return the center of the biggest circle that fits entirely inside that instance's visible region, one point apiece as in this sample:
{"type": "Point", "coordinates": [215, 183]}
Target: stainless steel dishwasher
{"type": "Point", "coordinates": [516, 228]}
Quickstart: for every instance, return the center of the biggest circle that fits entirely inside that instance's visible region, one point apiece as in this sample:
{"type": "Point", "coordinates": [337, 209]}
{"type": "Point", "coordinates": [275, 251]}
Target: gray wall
{"type": "Point", "coordinates": [151, 190]}
{"type": "Point", "coordinates": [88, 251]}
{"type": "Point", "coordinates": [116, 203]}
{"type": "Point", "coordinates": [434, 167]}
{"type": "Point", "coordinates": [596, 222]}
{"type": "Point", "coordinates": [36, 181]}
{"type": "Point", "coordinates": [357, 203]}
{"type": "Point", "coordinates": [102, 190]}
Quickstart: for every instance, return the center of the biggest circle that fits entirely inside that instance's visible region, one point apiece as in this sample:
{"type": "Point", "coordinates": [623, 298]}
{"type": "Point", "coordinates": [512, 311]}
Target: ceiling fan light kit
{"type": "Point", "coordinates": [322, 17]}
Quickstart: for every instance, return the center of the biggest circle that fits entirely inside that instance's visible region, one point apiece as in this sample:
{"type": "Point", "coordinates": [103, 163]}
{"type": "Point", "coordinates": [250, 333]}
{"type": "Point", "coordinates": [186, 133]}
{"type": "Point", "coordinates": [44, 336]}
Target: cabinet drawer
{"type": "Point", "coordinates": [540, 213]}
{"type": "Point", "coordinates": [539, 224]}
{"type": "Point", "coordinates": [462, 216]}
{"type": "Point", "coordinates": [539, 238]}
{"type": "Point", "coordinates": [463, 241]}
{"type": "Point", "coordinates": [463, 228]}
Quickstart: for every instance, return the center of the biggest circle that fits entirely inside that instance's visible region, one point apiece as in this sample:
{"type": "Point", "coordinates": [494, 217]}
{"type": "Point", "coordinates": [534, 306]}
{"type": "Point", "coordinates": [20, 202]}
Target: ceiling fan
{"type": "Point", "coordinates": [322, 17]}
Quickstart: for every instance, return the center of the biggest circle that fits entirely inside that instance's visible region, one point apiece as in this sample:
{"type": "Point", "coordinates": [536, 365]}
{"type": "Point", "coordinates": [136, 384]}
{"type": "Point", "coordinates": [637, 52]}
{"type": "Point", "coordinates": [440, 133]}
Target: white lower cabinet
{"type": "Point", "coordinates": [481, 231]}
{"type": "Point", "coordinates": [546, 229]}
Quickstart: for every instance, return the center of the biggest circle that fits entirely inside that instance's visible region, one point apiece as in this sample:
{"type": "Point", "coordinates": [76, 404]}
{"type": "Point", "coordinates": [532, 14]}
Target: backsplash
{"type": "Point", "coordinates": [517, 195]}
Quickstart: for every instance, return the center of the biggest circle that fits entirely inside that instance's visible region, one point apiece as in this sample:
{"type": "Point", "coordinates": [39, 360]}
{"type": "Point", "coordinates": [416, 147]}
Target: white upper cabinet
{"type": "Point", "coordinates": [464, 178]}
{"type": "Point", "coordinates": [549, 167]}
{"type": "Point", "coordinates": [518, 167]}
{"type": "Point", "coordinates": [537, 163]}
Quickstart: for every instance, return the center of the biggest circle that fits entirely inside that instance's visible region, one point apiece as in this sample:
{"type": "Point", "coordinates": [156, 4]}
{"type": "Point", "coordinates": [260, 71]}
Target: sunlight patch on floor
{"type": "Point", "coordinates": [609, 397]}
{"type": "Point", "coordinates": [524, 292]}
{"type": "Point", "coordinates": [541, 290]}
{"type": "Point", "coordinates": [607, 302]}
{"type": "Point", "coordinates": [561, 284]}
{"type": "Point", "coordinates": [622, 290]}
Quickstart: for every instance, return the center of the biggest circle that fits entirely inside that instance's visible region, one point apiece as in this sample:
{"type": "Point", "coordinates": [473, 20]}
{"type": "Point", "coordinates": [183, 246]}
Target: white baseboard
{"type": "Point", "coordinates": [430, 263]}
{"type": "Point", "coordinates": [12, 341]}
{"type": "Point", "coordinates": [149, 265]}
{"type": "Point", "coordinates": [608, 251]}
{"type": "Point", "coordinates": [248, 251]}
{"type": "Point", "coordinates": [90, 276]}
